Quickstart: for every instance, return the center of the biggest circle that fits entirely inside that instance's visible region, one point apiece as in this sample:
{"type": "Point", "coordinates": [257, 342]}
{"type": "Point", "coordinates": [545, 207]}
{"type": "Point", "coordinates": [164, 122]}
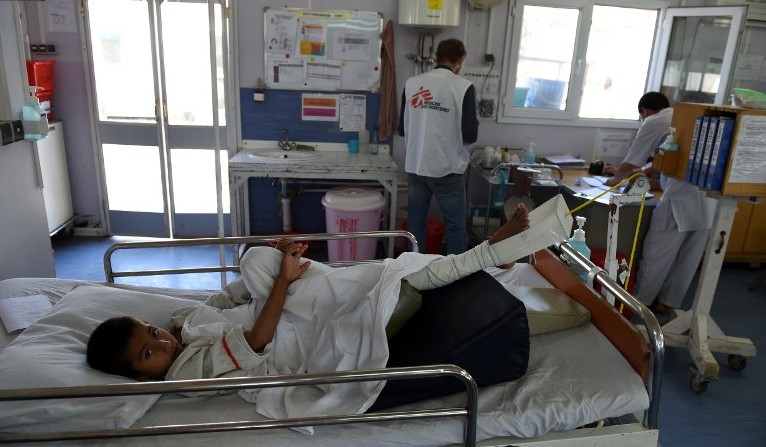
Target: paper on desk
{"type": "Point", "coordinates": [593, 192]}
{"type": "Point", "coordinates": [595, 182]}
{"type": "Point", "coordinates": [563, 160]}
{"type": "Point", "coordinates": [549, 224]}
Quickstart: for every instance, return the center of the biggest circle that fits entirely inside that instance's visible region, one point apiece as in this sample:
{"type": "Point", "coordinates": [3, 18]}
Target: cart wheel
{"type": "Point", "coordinates": [698, 384]}
{"type": "Point", "coordinates": [737, 362]}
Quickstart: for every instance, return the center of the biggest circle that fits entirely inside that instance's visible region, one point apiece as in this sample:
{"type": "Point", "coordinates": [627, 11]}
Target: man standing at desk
{"type": "Point", "coordinates": [680, 223]}
{"type": "Point", "coordinates": [656, 114]}
{"type": "Point", "coordinates": [437, 119]}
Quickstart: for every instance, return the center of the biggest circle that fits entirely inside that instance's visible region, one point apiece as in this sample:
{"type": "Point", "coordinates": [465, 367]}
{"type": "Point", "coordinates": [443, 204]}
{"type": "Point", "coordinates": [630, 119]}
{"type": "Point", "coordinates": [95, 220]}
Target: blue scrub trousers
{"type": "Point", "coordinates": [450, 196]}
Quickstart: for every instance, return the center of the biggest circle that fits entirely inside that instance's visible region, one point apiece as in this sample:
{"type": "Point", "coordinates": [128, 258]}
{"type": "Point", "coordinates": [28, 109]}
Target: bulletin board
{"type": "Point", "coordinates": [324, 50]}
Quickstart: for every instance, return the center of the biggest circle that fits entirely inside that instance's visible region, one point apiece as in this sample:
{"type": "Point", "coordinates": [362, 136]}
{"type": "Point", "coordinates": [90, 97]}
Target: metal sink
{"type": "Point", "coordinates": [283, 156]}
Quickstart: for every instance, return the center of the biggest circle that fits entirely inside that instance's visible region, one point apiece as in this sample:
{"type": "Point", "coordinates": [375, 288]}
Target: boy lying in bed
{"type": "Point", "coordinates": [303, 317]}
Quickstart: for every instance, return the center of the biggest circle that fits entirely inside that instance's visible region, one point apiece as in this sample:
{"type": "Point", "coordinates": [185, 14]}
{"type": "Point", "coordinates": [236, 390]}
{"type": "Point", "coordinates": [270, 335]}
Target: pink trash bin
{"type": "Point", "coordinates": [352, 208]}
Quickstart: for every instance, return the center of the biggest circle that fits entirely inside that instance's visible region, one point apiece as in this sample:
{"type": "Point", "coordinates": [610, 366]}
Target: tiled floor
{"type": "Point", "coordinates": [731, 413]}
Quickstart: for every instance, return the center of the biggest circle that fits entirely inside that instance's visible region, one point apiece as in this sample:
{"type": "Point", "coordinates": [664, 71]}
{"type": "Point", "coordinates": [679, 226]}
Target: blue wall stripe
{"type": "Point", "coordinates": [282, 110]}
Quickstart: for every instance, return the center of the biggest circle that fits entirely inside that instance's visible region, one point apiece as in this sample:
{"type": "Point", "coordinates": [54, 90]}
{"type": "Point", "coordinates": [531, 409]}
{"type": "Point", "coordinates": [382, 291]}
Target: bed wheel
{"type": "Point", "coordinates": [698, 384]}
{"type": "Point", "coordinates": [737, 362]}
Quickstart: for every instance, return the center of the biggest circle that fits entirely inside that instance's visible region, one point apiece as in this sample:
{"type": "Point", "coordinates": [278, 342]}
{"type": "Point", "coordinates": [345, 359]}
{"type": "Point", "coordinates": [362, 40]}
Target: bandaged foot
{"type": "Point", "coordinates": [518, 222]}
{"type": "Point", "coordinates": [549, 224]}
{"type": "Point", "coordinates": [523, 234]}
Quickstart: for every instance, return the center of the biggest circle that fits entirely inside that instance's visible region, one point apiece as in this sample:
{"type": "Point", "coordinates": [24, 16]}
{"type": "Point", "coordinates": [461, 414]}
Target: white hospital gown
{"type": "Point", "coordinates": [333, 320]}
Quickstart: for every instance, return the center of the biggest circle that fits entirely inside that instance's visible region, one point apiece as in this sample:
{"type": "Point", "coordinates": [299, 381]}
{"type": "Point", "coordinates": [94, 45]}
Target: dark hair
{"type": "Point", "coordinates": [653, 101]}
{"type": "Point", "coordinates": [450, 50]}
{"type": "Point", "coordinates": [107, 346]}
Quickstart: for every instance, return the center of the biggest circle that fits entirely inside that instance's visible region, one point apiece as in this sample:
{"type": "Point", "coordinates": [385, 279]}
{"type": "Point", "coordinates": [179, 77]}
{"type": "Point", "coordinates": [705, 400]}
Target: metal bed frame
{"type": "Point", "coordinates": [469, 412]}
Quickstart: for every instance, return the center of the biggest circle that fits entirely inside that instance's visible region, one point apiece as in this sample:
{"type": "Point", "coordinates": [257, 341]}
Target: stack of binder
{"type": "Point", "coordinates": [709, 152]}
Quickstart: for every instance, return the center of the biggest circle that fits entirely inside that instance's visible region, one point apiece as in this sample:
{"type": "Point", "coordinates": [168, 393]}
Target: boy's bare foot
{"type": "Point", "coordinates": [517, 223]}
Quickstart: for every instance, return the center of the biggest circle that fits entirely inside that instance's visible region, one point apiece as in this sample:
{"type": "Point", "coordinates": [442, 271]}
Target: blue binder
{"type": "Point", "coordinates": [693, 148]}
{"type": "Point", "coordinates": [709, 142]}
{"type": "Point", "coordinates": [719, 159]}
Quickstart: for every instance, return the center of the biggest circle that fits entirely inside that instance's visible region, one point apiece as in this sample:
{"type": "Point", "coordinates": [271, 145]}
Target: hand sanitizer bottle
{"type": "Point", "coordinates": [578, 242]}
{"type": "Point", "coordinates": [364, 140]}
{"type": "Point", "coordinates": [529, 154]}
{"type": "Point", "coordinates": [374, 142]}
{"type": "Point", "coordinates": [33, 113]}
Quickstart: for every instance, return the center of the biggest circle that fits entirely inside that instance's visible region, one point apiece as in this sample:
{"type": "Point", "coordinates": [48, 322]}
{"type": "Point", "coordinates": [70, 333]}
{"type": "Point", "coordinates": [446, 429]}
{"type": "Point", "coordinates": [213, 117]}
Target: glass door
{"type": "Point", "coordinates": [696, 53]}
{"type": "Point", "coordinates": [161, 114]}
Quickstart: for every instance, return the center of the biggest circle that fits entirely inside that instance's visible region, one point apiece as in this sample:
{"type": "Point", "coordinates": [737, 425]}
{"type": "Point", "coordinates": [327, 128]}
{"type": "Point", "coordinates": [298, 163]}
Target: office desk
{"type": "Point", "coordinates": [329, 165]}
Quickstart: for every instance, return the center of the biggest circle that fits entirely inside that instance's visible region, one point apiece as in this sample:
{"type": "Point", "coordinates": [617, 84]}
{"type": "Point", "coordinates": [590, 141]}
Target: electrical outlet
{"type": "Point", "coordinates": [18, 130]}
{"type": "Point", "coordinates": [6, 132]}
{"type": "Point", "coordinates": [489, 58]}
{"type": "Point", "coordinates": [486, 108]}
{"type": "Point", "coordinates": [42, 48]}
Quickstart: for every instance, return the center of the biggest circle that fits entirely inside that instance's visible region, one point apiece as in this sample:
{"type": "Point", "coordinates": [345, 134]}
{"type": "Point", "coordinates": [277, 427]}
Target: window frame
{"type": "Point", "coordinates": [567, 117]}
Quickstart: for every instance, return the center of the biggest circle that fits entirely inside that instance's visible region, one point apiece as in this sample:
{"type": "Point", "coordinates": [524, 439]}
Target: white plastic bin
{"type": "Point", "coordinates": [352, 208]}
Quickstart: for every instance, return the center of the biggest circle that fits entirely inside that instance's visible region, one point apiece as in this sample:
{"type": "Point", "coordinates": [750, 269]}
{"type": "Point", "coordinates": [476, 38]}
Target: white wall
{"type": "Point", "coordinates": [70, 103]}
{"type": "Point", "coordinates": [24, 242]}
{"type": "Point", "coordinates": [480, 30]}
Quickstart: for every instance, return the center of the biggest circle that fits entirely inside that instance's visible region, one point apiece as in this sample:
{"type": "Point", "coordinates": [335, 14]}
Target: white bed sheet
{"type": "Point", "coordinates": [575, 377]}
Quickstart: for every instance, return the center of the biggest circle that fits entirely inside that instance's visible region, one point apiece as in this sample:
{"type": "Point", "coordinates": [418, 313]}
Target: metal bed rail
{"type": "Point", "coordinates": [469, 412]}
{"type": "Point", "coordinates": [656, 339]}
{"type": "Point", "coordinates": [111, 274]}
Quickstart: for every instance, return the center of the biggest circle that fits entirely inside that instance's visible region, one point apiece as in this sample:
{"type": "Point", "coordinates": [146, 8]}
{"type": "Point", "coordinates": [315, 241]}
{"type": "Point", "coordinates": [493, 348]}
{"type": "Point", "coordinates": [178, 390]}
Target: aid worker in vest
{"type": "Point", "coordinates": [437, 120]}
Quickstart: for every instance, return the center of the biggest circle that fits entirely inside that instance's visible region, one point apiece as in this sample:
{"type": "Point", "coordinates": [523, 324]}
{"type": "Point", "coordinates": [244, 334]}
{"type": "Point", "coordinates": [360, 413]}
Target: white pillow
{"type": "Point", "coordinates": [52, 353]}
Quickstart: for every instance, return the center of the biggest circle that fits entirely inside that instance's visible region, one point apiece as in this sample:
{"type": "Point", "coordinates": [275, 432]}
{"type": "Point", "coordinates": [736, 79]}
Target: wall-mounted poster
{"type": "Point", "coordinates": [324, 50]}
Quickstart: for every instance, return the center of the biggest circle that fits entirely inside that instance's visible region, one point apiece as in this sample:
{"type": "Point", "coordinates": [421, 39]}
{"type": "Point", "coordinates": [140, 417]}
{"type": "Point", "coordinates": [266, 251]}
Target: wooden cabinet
{"type": "Point", "coordinates": [747, 240]}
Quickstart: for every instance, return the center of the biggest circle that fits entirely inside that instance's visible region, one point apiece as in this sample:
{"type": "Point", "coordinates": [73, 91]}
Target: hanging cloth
{"type": "Point", "coordinates": [388, 114]}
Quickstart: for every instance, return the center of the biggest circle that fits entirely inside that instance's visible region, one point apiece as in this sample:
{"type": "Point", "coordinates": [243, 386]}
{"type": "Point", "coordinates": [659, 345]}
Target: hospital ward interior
{"type": "Point", "coordinates": [254, 222]}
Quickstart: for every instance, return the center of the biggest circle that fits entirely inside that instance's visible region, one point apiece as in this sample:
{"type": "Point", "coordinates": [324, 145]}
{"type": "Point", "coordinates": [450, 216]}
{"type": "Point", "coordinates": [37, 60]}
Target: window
{"type": "Point", "coordinates": [578, 59]}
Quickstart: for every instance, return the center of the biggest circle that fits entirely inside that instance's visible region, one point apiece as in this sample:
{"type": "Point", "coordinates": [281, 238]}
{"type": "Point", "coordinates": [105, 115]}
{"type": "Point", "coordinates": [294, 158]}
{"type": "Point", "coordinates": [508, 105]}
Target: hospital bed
{"type": "Point", "coordinates": [594, 384]}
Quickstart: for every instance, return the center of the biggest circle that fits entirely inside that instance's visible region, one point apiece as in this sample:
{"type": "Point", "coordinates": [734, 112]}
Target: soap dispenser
{"type": "Point", "coordinates": [364, 140]}
{"type": "Point", "coordinates": [670, 144]}
{"type": "Point", "coordinates": [34, 119]}
{"type": "Point", "coordinates": [529, 154]}
{"type": "Point", "coordinates": [577, 241]}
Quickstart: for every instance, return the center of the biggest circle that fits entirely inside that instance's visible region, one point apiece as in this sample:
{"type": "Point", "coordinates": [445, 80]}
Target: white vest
{"type": "Point", "coordinates": [433, 123]}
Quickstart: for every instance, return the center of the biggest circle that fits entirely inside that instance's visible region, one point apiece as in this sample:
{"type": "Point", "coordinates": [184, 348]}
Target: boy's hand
{"type": "Point", "coordinates": [291, 268]}
{"type": "Point", "coordinates": [284, 245]}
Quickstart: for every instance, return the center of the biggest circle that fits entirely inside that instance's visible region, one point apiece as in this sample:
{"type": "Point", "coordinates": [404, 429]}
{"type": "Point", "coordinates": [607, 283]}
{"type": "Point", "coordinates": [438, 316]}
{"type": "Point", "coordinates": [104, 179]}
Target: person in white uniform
{"type": "Point", "coordinates": [674, 245]}
{"type": "Point", "coordinates": [438, 117]}
{"type": "Point", "coordinates": [680, 223]}
{"type": "Point", "coordinates": [655, 113]}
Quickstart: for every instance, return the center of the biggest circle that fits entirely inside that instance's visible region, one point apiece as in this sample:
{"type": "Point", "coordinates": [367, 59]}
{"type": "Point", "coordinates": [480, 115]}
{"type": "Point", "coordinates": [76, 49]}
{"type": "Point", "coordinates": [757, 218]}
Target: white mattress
{"type": "Point", "coordinates": [575, 377]}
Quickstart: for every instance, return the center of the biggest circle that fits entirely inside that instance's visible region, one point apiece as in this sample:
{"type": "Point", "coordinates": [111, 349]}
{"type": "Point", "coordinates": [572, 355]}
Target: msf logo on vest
{"type": "Point", "coordinates": [424, 99]}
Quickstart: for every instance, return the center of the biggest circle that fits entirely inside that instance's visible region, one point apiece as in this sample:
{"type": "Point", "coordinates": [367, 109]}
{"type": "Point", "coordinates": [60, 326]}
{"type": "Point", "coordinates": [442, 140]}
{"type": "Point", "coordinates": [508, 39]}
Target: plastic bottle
{"type": "Point", "coordinates": [374, 142]}
{"type": "Point", "coordinates": [498, 202]}
{"type": "Point", "coordinates": [33, 112]}
{"type": "Point", "coordinates": [577, 241]}
{"type": "Point", "coordinates": [364, 140]}
{"type": "Point", "coordinates": [529, 153]}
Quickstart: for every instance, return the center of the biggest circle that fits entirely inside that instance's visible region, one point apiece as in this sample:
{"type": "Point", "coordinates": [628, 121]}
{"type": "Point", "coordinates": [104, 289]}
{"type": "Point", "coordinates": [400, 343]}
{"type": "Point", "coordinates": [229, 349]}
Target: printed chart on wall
{"type": "Point", "coordinates": [324, 50]}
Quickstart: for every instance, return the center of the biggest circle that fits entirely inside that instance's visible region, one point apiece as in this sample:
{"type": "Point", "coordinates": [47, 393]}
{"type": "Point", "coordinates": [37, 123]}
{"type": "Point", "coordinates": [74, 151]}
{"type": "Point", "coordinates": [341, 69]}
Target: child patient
{"type": "Point", "coordinates": [133, 348]}
{"type": "Point", "coordinates": [277, 331]}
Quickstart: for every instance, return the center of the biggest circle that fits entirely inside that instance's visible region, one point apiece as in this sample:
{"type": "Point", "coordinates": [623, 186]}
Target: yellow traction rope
{"type": "Point", "coordinates": [638, 225]}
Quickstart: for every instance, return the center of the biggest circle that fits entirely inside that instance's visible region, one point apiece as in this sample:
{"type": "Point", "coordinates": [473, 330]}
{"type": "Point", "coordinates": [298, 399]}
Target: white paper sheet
{"type": "Point", "coordinates": [21, 312]}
